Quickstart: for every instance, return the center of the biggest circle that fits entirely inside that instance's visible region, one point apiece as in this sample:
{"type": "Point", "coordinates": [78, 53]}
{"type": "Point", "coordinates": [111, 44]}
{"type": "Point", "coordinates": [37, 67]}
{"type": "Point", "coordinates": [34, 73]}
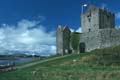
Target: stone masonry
{"type": "Point", "coordinates": [98, 30]}
{"type": "Point", "coordinates": [63, 40]}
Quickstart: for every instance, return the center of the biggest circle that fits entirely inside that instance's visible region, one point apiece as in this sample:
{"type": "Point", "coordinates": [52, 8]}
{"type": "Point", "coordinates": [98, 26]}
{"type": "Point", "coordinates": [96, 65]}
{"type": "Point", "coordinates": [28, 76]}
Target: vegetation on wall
{"type": "Point", "coordinates": [75, 38]}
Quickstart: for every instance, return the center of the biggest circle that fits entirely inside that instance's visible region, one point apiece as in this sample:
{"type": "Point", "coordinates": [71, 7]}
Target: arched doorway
{"type": "Point", "coordinates": [82, 47]}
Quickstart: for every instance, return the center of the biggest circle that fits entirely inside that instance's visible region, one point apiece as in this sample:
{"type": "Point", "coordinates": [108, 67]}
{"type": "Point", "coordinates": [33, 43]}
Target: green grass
{"type": "Point", "coordinates": [107, 57]}
{"type": "Point", "coordinates": [96, 65]}
{"type": "Point", "coordinates": [36, 60]}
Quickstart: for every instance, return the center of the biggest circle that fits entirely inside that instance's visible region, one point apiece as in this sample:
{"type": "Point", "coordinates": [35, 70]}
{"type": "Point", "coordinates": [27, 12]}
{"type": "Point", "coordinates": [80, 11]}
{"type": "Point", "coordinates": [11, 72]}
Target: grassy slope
{"type": "Point", "coordinates": [103, 57]}
{"type": "Point", "coordinates": [75, 67]}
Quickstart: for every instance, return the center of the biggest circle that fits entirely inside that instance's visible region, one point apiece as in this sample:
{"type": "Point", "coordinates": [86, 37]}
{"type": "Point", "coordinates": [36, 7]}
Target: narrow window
{"type": "Point", "coordinates": [89, 30]}
{"type": "Point", "coordinates": [89, 19]}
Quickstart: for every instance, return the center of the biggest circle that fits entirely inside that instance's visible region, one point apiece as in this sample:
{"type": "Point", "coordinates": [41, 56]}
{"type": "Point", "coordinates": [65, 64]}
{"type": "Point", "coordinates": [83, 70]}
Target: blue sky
{"type": "Point", "coordinates": [55, 11]}
{"type": "Point", "coordinates": [30, 25]}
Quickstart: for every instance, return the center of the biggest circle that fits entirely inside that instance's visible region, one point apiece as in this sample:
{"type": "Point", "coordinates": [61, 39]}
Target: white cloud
{"type": "Point", "coordinates": [117, 15]}
{"type": "Point", "coordinates": [79, 30]}
{"type": "Point", "coordinates": [27, 36]}
{"type": "Point", "coordinates": [117, 27]}
{"type": "Point", "coordinates": [72, 30]}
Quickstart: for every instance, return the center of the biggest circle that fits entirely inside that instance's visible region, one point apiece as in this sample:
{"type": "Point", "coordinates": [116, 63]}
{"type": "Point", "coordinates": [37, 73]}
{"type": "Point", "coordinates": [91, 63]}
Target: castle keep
{"type": "Point", "coordinates": [98, 30]}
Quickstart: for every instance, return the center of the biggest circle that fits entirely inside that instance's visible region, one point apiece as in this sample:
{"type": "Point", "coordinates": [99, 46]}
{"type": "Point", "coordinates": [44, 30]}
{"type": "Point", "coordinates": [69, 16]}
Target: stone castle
{"type": "Point", "coordinates": [98, 30]}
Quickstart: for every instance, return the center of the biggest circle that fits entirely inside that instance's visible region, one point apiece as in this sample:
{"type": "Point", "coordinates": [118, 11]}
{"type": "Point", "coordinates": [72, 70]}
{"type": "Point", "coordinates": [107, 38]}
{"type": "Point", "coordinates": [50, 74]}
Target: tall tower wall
{"type": "Point", "coordinates": [59, 40]}
{"type": "Point", "coordinates": [63, 40]}
{"type": "Point", "coordinates": [98, 29]}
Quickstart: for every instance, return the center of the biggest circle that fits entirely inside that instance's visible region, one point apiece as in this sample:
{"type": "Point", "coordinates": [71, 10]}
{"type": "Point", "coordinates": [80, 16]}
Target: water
{"type": "Point", "coordinates": [17, 61]}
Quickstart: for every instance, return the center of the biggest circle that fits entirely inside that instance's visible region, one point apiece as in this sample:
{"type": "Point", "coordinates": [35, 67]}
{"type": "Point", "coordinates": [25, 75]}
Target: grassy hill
{"type": "Point", "coordinates": [103, 64]}
{"type": "Point", "coordinates": [103, 57]}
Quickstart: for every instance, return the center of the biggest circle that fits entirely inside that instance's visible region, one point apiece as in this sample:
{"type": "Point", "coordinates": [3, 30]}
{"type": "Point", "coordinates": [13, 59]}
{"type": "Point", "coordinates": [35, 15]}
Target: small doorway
{"type": "Point", "coordinates": [82, 47]}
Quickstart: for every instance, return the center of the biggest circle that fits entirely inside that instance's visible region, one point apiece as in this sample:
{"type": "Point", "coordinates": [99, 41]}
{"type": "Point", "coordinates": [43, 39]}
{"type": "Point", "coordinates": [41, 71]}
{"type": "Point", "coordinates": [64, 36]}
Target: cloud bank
{"type": "Point", "coordinates": [27, 36]}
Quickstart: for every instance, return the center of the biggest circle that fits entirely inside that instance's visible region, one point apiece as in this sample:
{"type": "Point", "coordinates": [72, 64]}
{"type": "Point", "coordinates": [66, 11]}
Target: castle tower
{"type": "Point", "coordinates": [96, 29]}
{"type": "Point", "coordinates": [94, 19]}
{"type": "Point", "coordinates": [63, 40]}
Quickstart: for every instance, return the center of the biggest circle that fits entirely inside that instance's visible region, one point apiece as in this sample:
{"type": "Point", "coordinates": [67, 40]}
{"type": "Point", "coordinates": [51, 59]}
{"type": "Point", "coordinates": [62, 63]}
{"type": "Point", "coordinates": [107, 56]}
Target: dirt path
{"type": "Point", "coordinates": [38, 62]}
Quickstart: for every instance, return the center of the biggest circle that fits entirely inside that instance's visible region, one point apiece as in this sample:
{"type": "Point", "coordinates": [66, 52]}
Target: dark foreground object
{"type": "Point", "coordinates": [8, 67]}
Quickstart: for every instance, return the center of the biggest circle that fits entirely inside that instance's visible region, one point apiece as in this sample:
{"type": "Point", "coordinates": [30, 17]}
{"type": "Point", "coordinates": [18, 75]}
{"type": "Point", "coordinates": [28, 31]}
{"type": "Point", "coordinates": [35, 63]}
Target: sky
{"type": "Point", "coordinates": [30, 25]}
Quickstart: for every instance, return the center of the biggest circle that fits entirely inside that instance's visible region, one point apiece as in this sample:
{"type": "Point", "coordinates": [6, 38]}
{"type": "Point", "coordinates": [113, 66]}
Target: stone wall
{"type": "Point", "coordinates": [63, 40]}
{"type": "Point", "coordinates": [90, 20]}
{"type": "Point", "coordinates": [100, 39]}
{"type": "Point", "coordinates": [109, 37]}
{"type": "Point", "coordinates": [106, 19]}
{"type": "Point", "coordinates": [98, 29]}
{"type": "Point", "coordinates": [66, 40]}
{"type": "Point", "coordinates": [91, 40]}
{"type": "Point", "coordinates": [59, 40]}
